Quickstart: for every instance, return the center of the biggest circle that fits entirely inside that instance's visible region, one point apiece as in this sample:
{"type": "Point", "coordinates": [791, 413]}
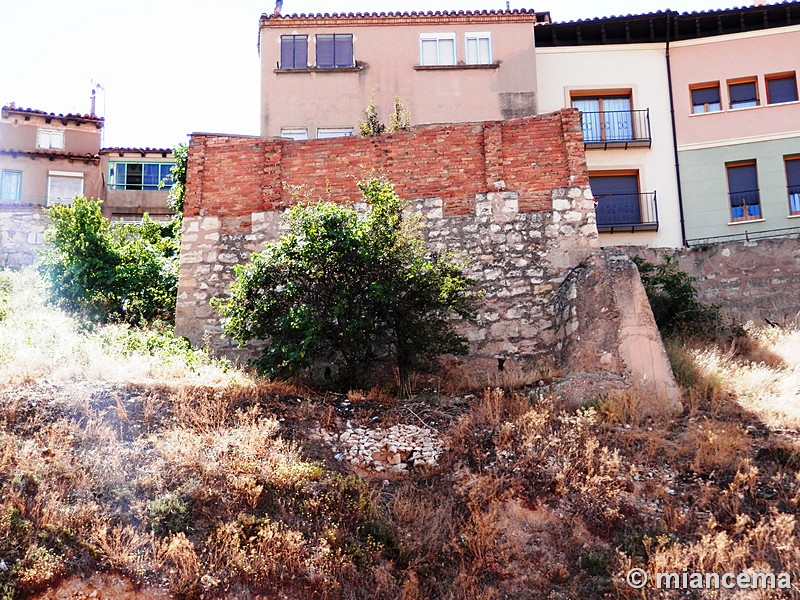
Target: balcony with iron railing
{"type": "Point", "coordinates": [745, 206]}
{"type": "Point", "coordinates": [616, 129]}
{"type": "Point", "coordinates": [626, 213]}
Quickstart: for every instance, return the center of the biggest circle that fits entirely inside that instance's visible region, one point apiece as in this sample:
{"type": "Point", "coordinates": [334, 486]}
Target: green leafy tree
{"type": "Point", "coordinates": [355, 290]}
{"type": "Point", "coordinates": [673, 299]}
{"type": "Point", "coordinates": [107, 272]}
{"type": "Point", "coordinates": [178, 172]}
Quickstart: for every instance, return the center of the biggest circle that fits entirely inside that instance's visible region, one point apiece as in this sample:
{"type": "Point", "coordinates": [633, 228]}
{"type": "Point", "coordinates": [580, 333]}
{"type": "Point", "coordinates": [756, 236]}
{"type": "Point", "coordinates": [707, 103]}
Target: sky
{"type": "Point", "coordinates": [165, 68]}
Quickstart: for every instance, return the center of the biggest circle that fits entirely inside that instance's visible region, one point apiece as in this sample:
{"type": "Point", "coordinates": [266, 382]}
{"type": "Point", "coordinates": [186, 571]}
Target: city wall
{"type": "Point", "coordinates": [509, 198]}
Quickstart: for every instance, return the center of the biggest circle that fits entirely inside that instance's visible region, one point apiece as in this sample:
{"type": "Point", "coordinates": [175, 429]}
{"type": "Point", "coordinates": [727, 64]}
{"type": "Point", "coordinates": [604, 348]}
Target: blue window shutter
{"type": "Point", "coordinates": [743, 92]}
{"type": "Point", "coordinates": [343, 48]}
{"type": "Point", "coordinates": [782, 90]}
{"type": "Point", "coordinates": [708, 95]}
{"type": "Point", "coordinates": [325, 51]}
{"type": "Point", "coordinates": [294, 51]}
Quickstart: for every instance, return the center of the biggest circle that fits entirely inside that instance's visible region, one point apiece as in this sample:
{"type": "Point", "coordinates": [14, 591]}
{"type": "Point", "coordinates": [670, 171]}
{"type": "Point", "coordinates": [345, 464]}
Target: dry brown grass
{"type": "Point", "coordinates": [204, 483]}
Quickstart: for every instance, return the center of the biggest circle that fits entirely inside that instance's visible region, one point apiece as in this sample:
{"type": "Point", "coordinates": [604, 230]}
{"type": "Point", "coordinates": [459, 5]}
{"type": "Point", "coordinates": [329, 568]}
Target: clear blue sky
{"type": "Point", "coordinates": [170, 67]}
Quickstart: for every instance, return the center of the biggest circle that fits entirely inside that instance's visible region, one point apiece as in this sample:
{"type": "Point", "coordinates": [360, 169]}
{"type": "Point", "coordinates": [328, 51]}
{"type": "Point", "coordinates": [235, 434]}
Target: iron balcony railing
{"type": "Point", "coordinates": [745, 206]}
{"type": "Point", "coordinates": [745, 236]}
{"type": "Point", "coordinates": [616, 129]}
{"type": "Point", "coordinates": [618, 213]}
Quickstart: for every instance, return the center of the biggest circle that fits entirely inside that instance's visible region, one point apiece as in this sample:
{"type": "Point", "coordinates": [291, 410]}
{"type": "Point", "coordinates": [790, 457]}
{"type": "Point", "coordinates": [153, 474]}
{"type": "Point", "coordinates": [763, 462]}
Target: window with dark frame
{"type": "Point", "coordinates": [335, 51]}
{"type": "Point", "coordinates": [793, 183]}
{"type": "Point", "coordinates": [743, 94]}
{"type": "Point", "coordinates": [781, 88]}
{"type": "Point", "coordinates": [617, 197]}
{"type": "Point", "coordinates": [744, 197]}
{"type": "Point", "coordinates": [294, 52]}
{"type": "Point", "coordinates": [705, 99]}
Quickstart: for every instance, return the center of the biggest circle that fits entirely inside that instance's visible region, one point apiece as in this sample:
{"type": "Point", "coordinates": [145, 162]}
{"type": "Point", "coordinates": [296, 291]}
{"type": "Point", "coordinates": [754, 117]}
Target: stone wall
{"type": "Point", "coordinates": [510, 199]}
{"type": "Point", "coordinates": [753, 280]}
{"type": "Point", "coordinates": [21, 236]}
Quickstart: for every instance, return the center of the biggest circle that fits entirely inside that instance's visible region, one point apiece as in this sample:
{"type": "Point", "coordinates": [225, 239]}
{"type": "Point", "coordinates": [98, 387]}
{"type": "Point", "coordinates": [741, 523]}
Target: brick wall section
{"type": "Point", "coordinates": [754, 280]}
{"type": "Point", "coordinates": [509, 198]}
{"type": "Point", "coordinates": [533, 155]}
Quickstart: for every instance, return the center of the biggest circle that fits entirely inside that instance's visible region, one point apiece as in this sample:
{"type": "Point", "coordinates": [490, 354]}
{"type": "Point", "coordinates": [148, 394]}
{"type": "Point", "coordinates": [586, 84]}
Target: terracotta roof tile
{"type": "Point", "coordinates": [514, 14]}
{"type": "Point", "coordinates": [141, 151]}
{"type": "Point", "coordinates": [50, 154]}
{"type": "Point", "coordinates": [8, 109]}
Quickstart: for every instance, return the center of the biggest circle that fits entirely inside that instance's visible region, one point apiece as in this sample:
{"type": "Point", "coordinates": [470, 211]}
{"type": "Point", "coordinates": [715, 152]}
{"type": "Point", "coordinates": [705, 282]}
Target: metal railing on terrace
{"type": "Point", "coordinates": [616, 129]}
{"type": "Point", "coordinates": [794, 199]}
{"type": "Point", "coordinates": [618, 213]}
{"type": "Point", "coordinates": [745, 206]}
{"type": "Point", "coordinates": [745, 236]}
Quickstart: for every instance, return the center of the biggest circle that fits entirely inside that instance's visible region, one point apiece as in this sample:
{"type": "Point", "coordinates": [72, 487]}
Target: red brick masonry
{"type": "Point", "coordinates": [236, 176]}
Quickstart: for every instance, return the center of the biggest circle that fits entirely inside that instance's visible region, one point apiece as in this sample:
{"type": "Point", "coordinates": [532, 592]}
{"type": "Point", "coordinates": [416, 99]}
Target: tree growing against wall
{"type": "Point", "coordinates": [371, 125]}
{"type": "Point", "coordinates": [352, 290]}
{"type": "Point", "coordinates": [400, 118]}
{"type": "Point", "coordinates": [673, 299]}
{"type": "Point", "coordinates": [178, 172]}
{"type": "Point", "coordinates": [110, 272]}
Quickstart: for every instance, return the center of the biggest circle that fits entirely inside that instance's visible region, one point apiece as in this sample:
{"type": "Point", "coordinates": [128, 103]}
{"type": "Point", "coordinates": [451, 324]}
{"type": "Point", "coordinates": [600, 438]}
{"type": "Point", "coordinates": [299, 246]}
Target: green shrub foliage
{"type": "Point", "coordinates": [178, 173]}
{"type": "Point", "coordinates": [673, 299]}
{"type": "Point", "coordinates": [355, 290]}
{"type": "Point", "coordinates": [110, 272]}
{"type": "Point", "coordinates": [5, 291]}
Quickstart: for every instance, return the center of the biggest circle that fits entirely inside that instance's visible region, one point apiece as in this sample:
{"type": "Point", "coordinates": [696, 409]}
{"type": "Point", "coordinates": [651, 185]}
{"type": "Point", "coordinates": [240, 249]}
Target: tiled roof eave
{"type": "Point", "coordinates": [9, 110]}
{"type": "Point", "coordinates": [404, 18]}
{"type": "Point", "coordinates": [50, 155]}
{"type": "Point", "coordinates": [140, 151]}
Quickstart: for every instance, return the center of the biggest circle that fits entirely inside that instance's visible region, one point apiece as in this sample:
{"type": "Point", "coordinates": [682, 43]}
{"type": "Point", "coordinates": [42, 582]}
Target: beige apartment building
{"type": "Point", "coordinates": [319, 72]}
{"type": "Point", "coordinates": [48, 158]}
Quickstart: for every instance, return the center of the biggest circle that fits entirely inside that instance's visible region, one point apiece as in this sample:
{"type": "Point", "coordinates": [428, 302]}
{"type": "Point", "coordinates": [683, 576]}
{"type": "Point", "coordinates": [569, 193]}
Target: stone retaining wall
{"type": "Point", "coordinates": [510, 199]}
{"type": "Point", "coordinates": [753, 280]}
{"type": "Point", "coordinates": [21, 236]}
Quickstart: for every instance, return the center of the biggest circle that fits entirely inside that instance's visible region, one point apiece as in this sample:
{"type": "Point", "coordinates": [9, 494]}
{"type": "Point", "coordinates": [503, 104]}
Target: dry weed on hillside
{"type": "Point", "coordinates": [149, 461]}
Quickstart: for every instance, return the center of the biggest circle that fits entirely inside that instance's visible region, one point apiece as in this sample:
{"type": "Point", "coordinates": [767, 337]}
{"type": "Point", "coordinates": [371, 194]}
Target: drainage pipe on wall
{"type": "Point", "coordinates": [674, 129]}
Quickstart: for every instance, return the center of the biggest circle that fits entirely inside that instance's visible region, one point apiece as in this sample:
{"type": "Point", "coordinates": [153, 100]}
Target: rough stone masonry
{"type": "Point", "coordinates": [510, 198]}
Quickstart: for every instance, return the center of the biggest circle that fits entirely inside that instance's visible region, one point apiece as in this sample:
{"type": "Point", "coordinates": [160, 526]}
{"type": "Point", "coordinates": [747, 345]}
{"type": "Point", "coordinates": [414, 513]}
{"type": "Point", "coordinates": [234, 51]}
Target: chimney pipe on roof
{"type": "Point", "coordinates": [93, 102]}
{"type": "Point", "coordinates": [278, 7]}
{"type": "Point", "coordinates": [508, 4]}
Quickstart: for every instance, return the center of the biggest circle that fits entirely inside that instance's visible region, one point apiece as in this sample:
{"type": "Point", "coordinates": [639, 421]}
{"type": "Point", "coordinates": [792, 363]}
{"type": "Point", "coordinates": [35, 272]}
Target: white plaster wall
{"type": "Point", "coordinates": [642, 69]}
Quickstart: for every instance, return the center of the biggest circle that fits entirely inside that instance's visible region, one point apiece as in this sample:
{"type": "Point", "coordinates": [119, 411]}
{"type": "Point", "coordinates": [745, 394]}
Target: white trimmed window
{"type": "Point", "coordinates": [50, 139]}
{"type": "Point", "coordinates": [437, 49]}
{"type": "Point", "coordinates": [11, 186]}
{"type": "Point", "coordinates": [63, 186]}
{"type": "Point", "coordinates": [479, 48]}
{"type": "Point", "coordinates": [334, 133]}
{"type": "Point", "coordinates": [294, 134]}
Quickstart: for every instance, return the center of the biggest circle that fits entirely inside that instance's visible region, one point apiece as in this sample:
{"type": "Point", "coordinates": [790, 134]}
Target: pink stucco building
{"type": "Point", "coordinates": [319, 72]}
